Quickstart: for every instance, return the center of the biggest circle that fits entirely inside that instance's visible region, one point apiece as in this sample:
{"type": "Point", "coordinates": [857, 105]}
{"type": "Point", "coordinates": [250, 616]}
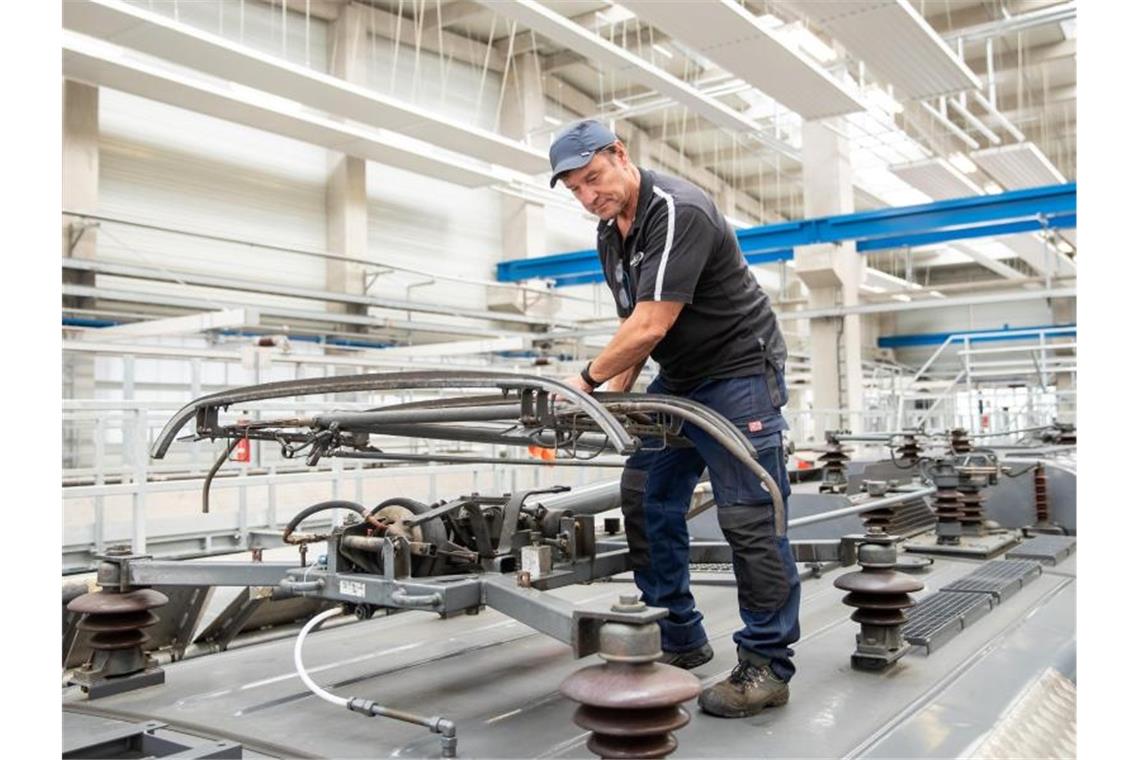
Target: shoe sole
{"type": "Point", "coordinates": [779, 701]}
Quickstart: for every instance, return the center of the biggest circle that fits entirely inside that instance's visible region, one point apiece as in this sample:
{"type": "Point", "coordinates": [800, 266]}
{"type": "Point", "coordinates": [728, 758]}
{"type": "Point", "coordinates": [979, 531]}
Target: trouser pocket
{"type": "Point", "coordinates": [633, 509]}
{"type": "Point", "coordinates": [762, 583]}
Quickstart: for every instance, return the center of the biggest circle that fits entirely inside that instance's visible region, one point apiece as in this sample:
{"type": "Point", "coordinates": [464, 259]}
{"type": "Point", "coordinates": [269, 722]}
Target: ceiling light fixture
{"type": "Point", "coordinates": [662, 50]}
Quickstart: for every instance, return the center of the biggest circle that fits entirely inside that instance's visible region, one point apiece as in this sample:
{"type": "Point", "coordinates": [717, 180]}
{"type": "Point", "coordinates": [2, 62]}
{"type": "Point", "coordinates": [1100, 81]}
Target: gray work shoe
{"type": "Point", "coordinates": [689, 659]}
{"type": "Point", "coordinates": [747, 690]}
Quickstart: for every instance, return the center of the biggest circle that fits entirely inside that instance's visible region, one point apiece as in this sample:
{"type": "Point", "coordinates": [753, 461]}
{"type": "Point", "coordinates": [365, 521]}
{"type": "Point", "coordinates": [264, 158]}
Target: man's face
{"type": "Point", "coordinates": [603, 185]}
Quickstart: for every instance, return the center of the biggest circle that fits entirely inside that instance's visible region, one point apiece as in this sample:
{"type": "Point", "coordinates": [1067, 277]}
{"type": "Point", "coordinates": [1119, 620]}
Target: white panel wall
{"type": "Point", "coordinates": [428, 224]}
{"type": "Point", "coordinates": [180, 169]}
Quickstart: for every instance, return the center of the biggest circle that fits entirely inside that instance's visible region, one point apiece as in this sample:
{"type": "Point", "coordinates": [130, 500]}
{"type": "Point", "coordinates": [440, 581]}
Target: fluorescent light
{"type": "Point", "coordinates": [662, 50]}
{"type": "Point", "coordinates": [937, 294]}
{"type": "Point", "coordinates": [901, 297]}
{"type": "Point", "coordinates": [992, 188]}
{"type": "Point", "coordinates": [621, 104]}
{"type": "Point", "coordinates": [961, 163]}
{"type": "Point", "coordinates": [1064, 247]}
{"type": "Point", "coordinates": [552, 120]}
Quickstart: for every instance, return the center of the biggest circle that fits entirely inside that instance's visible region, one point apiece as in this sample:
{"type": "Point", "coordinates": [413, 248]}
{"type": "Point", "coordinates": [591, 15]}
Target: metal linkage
{"type": "Point", "coordinates": [631, 703]}
{"type": "Point", "coordinates": [534, 393]}
{"type": "Point", "coordinates": [880, 594]}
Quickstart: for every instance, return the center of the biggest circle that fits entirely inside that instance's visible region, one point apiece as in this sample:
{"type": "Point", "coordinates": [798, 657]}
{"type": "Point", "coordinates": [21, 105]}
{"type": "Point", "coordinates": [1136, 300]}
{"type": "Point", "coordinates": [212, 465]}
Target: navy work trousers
{"type": "Point", "coordinates": [657, 487]}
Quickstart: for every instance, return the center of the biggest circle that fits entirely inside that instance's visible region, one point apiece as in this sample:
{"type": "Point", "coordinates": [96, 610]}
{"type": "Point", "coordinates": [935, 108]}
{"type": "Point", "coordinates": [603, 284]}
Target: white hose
{"type": "Point", "coordinates": [317, 620]}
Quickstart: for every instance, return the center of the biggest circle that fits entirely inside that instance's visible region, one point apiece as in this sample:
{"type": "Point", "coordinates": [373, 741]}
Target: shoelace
{"type": "Point", "coordinates": [746, 672]}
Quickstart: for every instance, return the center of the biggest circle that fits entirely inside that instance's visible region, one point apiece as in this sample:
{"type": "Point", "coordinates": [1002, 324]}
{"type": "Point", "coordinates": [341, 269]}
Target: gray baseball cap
{"type": "Point", "coordinates": [576, 145]}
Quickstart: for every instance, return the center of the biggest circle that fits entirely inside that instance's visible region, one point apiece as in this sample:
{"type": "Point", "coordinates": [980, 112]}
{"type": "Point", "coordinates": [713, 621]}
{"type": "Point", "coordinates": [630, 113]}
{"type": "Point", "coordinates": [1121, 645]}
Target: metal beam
{"type": "Point", "coordinates": [898, 227]}
{"type": "Point", "coordinates": [189, 324]}
{"type": "Point", "coordinates": [458, 348]}
{"type": "Point", "coordinates": [932, 303]}
{"type": "Point", "coordinates": [976, 336]}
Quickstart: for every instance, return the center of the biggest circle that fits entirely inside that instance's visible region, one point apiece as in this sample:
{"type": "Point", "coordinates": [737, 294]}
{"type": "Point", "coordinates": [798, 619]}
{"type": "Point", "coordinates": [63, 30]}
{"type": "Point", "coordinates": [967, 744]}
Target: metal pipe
{"type": "Point", "coordinates": [954, 128]}
{"type": "Point", "coordinates": [974, 121]}
{"type": "Point", "coordinates": [860, 508]}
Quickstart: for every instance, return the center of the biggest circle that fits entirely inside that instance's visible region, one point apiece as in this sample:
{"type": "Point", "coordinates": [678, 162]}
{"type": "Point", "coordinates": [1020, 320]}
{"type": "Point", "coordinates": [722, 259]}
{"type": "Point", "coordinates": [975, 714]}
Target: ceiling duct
{"type": "Point", "coordinates": [732, 38]}
{"type": "Point", "coordinates": [894, 41]}
{"type": "Point", "coordinates": [621, 62]}
{"type": "Point", "coordinates": [937, 178]}
{"type": "Point", "coordinates": [1018, 166]}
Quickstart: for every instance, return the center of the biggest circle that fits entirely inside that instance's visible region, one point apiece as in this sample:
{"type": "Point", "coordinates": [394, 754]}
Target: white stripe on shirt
{"type": "Point", "coordinates": [668, 242]}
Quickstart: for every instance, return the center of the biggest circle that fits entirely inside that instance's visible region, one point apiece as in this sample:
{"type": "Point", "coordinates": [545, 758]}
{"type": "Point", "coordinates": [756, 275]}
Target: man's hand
{"type": "Point", "coordinates": [579, 382]}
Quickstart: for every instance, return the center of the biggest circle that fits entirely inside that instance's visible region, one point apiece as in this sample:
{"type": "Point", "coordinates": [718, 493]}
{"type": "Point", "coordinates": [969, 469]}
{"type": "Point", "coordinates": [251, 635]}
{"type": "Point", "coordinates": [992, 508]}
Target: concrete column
{"type": "Point", "coordinates": [1065, 313]}
{"type": "Point", "coordinates": [80, 194]}
{"type": "Point", "coordinates": [832, 274]}
{"type": "Point", "coordinates": [523, 222]}
{"type": "Point", "coordinates": [346, 196]}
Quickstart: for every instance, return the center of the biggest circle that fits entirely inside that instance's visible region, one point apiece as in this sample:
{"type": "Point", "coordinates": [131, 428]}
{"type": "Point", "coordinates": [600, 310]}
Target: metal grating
{"type": "Point", "coordinates": [1001, 578]}
{"type": "Point", "coordinates": [1049, 550]}
{"type": "Point", "coordinates": [942, 615]}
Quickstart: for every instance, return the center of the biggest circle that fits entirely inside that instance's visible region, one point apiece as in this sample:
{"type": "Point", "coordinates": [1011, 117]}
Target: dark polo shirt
{"type": "Point", "coordinates": [680, 248]}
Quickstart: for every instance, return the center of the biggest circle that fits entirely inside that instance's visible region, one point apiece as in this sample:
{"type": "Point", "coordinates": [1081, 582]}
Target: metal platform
{"type": "Point", "coordinates": [499, 681]}
{"type": "Point", "coordinates": [1048, 550]}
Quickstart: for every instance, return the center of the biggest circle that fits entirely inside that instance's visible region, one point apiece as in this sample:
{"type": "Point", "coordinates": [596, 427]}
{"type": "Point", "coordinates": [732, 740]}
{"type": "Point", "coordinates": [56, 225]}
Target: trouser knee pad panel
{"type": "Point", "coordinates": [762, 583]}
{"type": "Point", "coordinates": [633, 509]}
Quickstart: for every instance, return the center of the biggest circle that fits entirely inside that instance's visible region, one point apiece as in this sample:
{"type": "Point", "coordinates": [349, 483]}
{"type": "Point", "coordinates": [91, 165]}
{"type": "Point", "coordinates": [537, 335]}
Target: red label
{"type": "Point", "coordinates": [755, 426]}
{"type": "Point", "coordinates": [241, 451]}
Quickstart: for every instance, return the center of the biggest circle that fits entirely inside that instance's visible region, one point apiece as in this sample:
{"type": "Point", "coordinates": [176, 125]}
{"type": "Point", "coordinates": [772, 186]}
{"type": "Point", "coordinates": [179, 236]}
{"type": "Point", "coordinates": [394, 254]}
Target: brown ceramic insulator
{"type": "Point", "coordinates": [879, 518]}
{"type": "Point", "coordinates": [946, 505]}
{"type": "Point", "coordinates": [116, 619]}
{"type": "Point", "coordinates": [960, 441]}
{"type": "Point", "coordinates": [631, 707]}
{"type": "Point", "coordinates": [1041, 494]}
{"type": "Point", "coordinates": [833, 465]}
{"type": "Point", "coordinates": [908, 451]}
{"type": "Point", "coordinates": [970, 506]}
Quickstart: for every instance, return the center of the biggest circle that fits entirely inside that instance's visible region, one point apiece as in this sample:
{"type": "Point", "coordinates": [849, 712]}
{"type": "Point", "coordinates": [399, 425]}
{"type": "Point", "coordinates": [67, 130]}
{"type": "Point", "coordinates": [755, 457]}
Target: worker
{"type": "Point", "coordinates": [685, 297]}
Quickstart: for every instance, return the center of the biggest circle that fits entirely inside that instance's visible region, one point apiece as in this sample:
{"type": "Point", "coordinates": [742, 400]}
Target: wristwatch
{"type": "Point", "coordinates": [590, 381]}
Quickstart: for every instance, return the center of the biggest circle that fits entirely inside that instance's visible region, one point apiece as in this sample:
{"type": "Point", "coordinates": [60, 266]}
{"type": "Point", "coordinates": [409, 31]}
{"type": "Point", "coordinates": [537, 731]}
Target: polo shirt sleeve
{"type": "Point", "coordinates": [678, 242]}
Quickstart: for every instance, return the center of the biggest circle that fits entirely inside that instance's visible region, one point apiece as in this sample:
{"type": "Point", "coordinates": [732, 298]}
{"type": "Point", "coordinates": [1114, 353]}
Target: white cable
{"type": "Point", "coordinates": [317, 620]}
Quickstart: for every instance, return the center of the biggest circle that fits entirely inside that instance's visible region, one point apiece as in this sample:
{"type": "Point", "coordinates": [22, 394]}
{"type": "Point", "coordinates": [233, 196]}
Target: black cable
{"type": "Point", "coordinates": [322, 506]}
{"type": "Point", "coordinates": [214, 471]}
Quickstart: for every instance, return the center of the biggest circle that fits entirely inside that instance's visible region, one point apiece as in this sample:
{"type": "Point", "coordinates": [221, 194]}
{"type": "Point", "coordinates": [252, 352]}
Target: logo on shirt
{"type": "Point", "coordinates": [636, 259]}
{"type": "Point", "coordinates": [755, 426]}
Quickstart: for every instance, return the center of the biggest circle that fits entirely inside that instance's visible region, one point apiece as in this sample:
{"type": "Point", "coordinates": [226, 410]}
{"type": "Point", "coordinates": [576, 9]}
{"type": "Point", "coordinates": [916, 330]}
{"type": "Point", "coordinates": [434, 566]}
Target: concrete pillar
{"type": "Point", "coordinates": [523, 221]}
{"type": "Point", "coordinates": [80, 194]}
{"type": "Point", "coordinates": [832, 274]}
{"type": "Point", "coordinates": [346, 196]}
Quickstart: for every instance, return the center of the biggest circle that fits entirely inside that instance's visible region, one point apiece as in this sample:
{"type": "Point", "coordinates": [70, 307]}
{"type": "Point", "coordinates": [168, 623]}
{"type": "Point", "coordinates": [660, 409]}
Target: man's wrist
{"type": "Point", "coordinates": [588, 378]}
